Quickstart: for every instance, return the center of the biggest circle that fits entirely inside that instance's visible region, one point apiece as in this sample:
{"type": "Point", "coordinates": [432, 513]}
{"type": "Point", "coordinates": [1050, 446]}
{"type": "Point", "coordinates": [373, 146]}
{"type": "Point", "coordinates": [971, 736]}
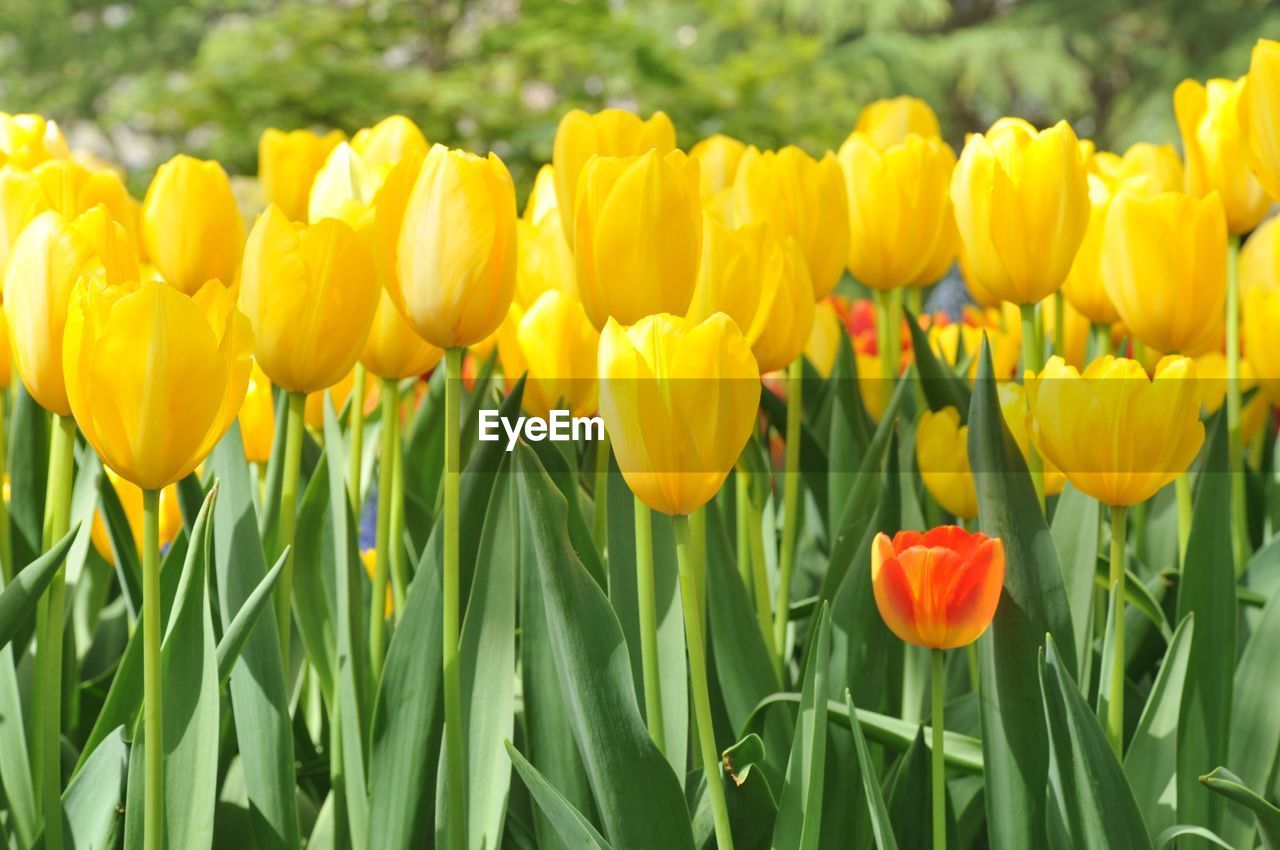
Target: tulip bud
{"type": "Point", "coordinates": [942, 453]}
{"type": "Point", "coordinates": [1261, 342]}
{"type": "Point", "coordinates": [638, 233]}
{"type": "Point", "coordinates": [130, 496]}
{"type": "Point", "coordinates": [1260, 114]}
{"type": "Point", "coordinates": [1115, 434]}
{"type": "Point", "coordinates": [190, 224]}
{"type": "Point", "coordinates": [258, 417]}
{"type": "Point", "coordinates": [718, 157]}
{"type": "Point", "coordinates": [1144, 167]}
{"type": "Point", "coordinates": [679, 401]}
{"type": "Point", "coordinates": [456, 249]}
{"type": "Point", "coordinates": [799, 197]}
{"type": "Point", "coordinates": [1217, 150]}
{"type": "Point", "coordinates": [544, 258]}
{"type": "Point", "coordinates": [1013, 407]}
{"type": "Point", "coordinates": [63, 186]}
{"type": "Point", "coordinates": [389, 141]}
{"type": "Point", "coordinates": [938, 589]}
{"type": "Point", "coordinates": [287, 165]}
{"type": "Point", "coordinates": [1260, 257]}
{"type": "Point", "coordinates": [730, 273]}
{"type": "Point", "coordinates": [889, 121]}
{"type": "Point", "coordinates": [871, 384]}
{"type": "Point", "coordinates": [28, 140]}
{"type": "Point", "coordinates": [901, 227]}
{"type": "Point", "coordinates": [1164, 264]}
{"type": "Point", "coordinates": [557, 346]}
{"type": "Point", "coordinates": [309, 294]}
{"type": "Point", "coordinates": [393, 349]}
{"type": "Point", "coordinates": [1022, 207]}
{"type": "Point", "coordinates": [609, 132]}
{"type": "Point", "coordinates": [1083, 287]}
{"type": "Point", "coordinates": [824, 339]}
{"type": "Point", "coordinates": [784, 317]}
{"type": "Point", "coordinates": [154, 377]}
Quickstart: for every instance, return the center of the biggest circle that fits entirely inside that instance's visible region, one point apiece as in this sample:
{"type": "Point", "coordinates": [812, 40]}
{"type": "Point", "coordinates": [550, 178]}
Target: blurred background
{"type": "Point", "coordinates": [138, 80]}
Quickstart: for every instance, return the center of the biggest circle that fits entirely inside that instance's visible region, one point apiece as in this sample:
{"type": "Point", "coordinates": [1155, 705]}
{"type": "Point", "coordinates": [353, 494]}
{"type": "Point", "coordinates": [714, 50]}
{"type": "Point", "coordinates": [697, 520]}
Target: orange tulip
{"type": "Point", "coordinates": [938, 589]}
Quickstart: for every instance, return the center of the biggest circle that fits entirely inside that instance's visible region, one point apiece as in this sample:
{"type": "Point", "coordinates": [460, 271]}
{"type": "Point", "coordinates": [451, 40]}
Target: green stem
{"type": "Point", "coordinates": [914, 299]}
{"type": "Point", "coordinates": [698, 679]}
{"type": "Point", "coordinates": [1115, 706]}
{"type": "Point", "coordinates": [742, 512]}
{"type": "Point", "coordinates": [648, 625]}
{"type": "Point", "coordinates": [399, 559]}
{"type": "Point", "coordinates": [1182, 489]}
{"type": "Point", "coordinates": [356, 455]}
{"type": "Point", "coordinates": [1101, 340]}
{"type": "Point", "coordinates": [1235, 452]}
{"type": "Point", "coordinates": [600, 492]}
{"type": "Point", "coordinates": [938, 693]}
{"type": "Point", "coordinates": [760, 582]}
{"type": "Point", "coordinates": [152, 687]}
{"type": "Point", "coordinates": [455, 747]}
{"type": "Point", "coordinates": [6, 545]}
{"type": "Point", "coordinates": [295, 424]}
{"type": "Point", "coordinates": [790, 503]}
{"type": "Point", "coordinates": [1060, 324]}
{"type": "Point", "coordinates": [1033, 361]}
{"type": "Point", "coordinates": [390, 434]}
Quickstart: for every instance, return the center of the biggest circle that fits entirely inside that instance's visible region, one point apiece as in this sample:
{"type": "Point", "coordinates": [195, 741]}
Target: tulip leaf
{"type": "Point", "coordinates": [1034, 602]}
{"type": "Point", "coordinates": [1075, 525]}
{"type": "Point", "coordinates": [571, 827]}
{"type": "Point", "coordinates": [18, 600]}
{"type": "Point", "coordinates": [942, 388]}
{"type": "Point", "coordinates": [594, 668]}
{"type": "Point", "coordinates": [241, 626]}
{"type": "Point", "coordinates": [314, 590]}
{"type": "Point", "coordinates": [911, 797]}
{"type": "Point", "coordinates": [91, 801]}
{"type": "Point", "coordinates": [28, 467]}
{"type": "Point", "coordinates": [124, 550]}
{"type": "Point", "coordinates": [1089, 800]}
{"type": "Point", "coordinates": [1138, 595]}
{"type": "Point", "coordinates": [881, 826]}
{"type": "Point", "coordinates": [800, 804]}
{"type": "Point", "coordinates": [1232, 787]}
{"type": "Point", "coordinates": [424, 455]}
{"type": "Point", "coordinates": [813, 457]}
{"type": "Point", "coordinates": [1168, 836]}
{"type": "Point", "coordinates": [850, 431]}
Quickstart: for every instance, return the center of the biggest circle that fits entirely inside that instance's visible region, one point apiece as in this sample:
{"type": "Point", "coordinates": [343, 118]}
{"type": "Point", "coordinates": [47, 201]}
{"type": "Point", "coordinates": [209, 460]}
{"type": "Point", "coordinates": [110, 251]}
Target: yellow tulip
{"type": "Point", "coordinates": [942, 453]}
{"type": "Point", "coordinates": [1164, 264]}
{"type": "Point", "coordinates": [799, 197]}
{"type": "Point", "coordinates": [1217, 151]}
{"type": "Point", "coordinates": [824, 339]}
{"type": "Point", "coordinates": [542, 200]}
{"type": "Point", "coordinates": [1261, 341]}
{"type": "Point", "coordinates": [957, 342]}
{"type": "Point", "coordinates": [891, 120]}
{"type": "Point", "coordinates": [784, 317]}
{"type": "Point", "coordinates": [1143, 167]}
{"type": "Point", "coordinates": [718, 157]}
{"type": "Point", "coordinates": [1013, 407]}
{"type": "Point", "coordinates": [287, 164]}
{"type": "Point", "coordinates": [389, 141]}
{"type": "Point", "coordinates": [63, 186]}
{"type": "Point", "coordinates": [309, 293]}
{"type": "Point", "coordinates": [6, 354]}
{"type": "Point", "coordinates": [1076, 336]}
{"type": "Point", "coordinates": [609, 132]}
{"type": "Point", "coordinates": [393, 349]}
{"type": "Point", "coordinates": [1211, 371]}
{"type": "Point", "coordinates": [344, 188]}
{"type": "Point", "coordinates": [190, 224]}
{"type": "Point", "coordinates": [901, 227]}
{"type": "Point", "coordinates": [1083, 288]}
{"type": "Point", "coordinates": [28, 140]}
{"type": "Point", "coordinates": [48, 258]}
{"type": "Point", "coordinates": [155, 377]}
{"type": "Point", "coordinates": [679, 401]}
{"type": "Point", "coordinates": [872, 386]}
{"type": "Point", "coordinates": [1022, 207]}
{"type": "Point", "coordinates": [557, 346]}
{"type": "Point", "coordinates": [1115, 434]}
{"type": "Point", "coordinates": [637, 236]}
{"type": "Point", "coordinates": [1260, 113]}
{"type": "Point", "coordinates": [730, 273]}
{"type": "Point", "coordinates": [130, 496]}
{"type": "Point", "coordinates": [456, 248]}
{"type": "Point", "coordinates": [1260, 257]}
{"type": "Point", "coordinates": [258, 417]}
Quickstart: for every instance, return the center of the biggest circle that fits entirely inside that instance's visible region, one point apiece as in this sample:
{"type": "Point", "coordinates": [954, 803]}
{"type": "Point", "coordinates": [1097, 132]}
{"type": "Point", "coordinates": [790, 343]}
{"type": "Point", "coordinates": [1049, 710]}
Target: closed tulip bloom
{"type": "Point", "coordinates": [155, 377]}
{"type": "Point", "coordinates": [544, 258]}
{"type": "Point", "coordinates": [1022, 207]}
{"type": "Point", "coordinates": [1156, 168]}
{"type": "Point", "coordinates": [309, 293]}
{"type": "Point", "coordinates": [609, 132]}
{"type": "Point", "coordinates": [942, 453]}
{"type": "Point", "coordinates": [1260, 257]}
{"type": "Point", "coordinates": [938, 589]}
{"type": "Point", "coordinates": [638, 234]}
{"type": "Point", "coordinates": [557, 346]}
{"type": "Point", "coordinates": [730, 273]}
{"type": "Point", "coordinates": [49, 257]}
{"type": "Point", "coordinates": [872, 386]}
{"type": "Point", "coordinates": [1014, 408]}
{"type": "Point", "coordinates": [1260, 113]}
{"type": "Point", "coordinates": [6, 354]}
{"type": "Point", "coordinates": [679, 400]}
{"type": "Point", "coordinates": [959, 342]}
{"type": "Point", "coordinates": [28, 140]}
{"type": "Point", "coordinates": [824, 339]}
{"type": "Point", "coordinates": [1217, 151]}
{"type": "Point", "coordinates": [891, 120]}
{"type": "Point", "coordinates": [1211, 372]}
{"type": "Point", "coordinates": [287, 164]}
{"type": "Point", "coordinates": [257, 417]}
{"type": "Point", "coordinates": [1114, 433]}
{"type": "Point", "coordinates": [718, 157]}
{"type": "Point", "coordinates": [901, 227]}
{"type": "Point", "coordinates": [456, 249]}
{"type": "Point", "coordinates": [799, 197]}
{"type": "Point", "coordinates": [784, 316]}
{"type": "Point", "coordinates": [345, 188]}
{"type": "Point", "coordinates": [1261, 341]}
{"type": "Point", "coordinates": [1164, 264]}
{"type": "Point", "coordinates": [392, 348]}
{"type": "Point", "coordinates": [131, 500]}
{"type": "Point", "coordinates": [1084, 288]}
{"type": "Point", "coordinates": [389, 141]}
{"type": "Point", "coordinates": [61, 185]}
{"type": "Point", "coordinates": [190, 224]}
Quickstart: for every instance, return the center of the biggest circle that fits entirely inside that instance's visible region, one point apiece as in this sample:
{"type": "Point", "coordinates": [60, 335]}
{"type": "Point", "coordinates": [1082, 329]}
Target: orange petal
{"type": "Point", "coordinates": [974, 594]}
{"type": "Point", "coordinates": [893, 596]}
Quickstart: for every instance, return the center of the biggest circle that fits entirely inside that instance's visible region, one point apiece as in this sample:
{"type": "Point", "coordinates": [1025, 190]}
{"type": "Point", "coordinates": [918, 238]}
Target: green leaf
{"type": "Point", "coordinates": [424, 456]}
{"type": "Point", "coordinates": [753, 808]}
{"type": "Point", "coordinates": [123, 548]}
{"type": "Point", "coordinates": [18, 600]}
{"type": "Point", "coordinates": [28, 466]}
{"type": "Point", "coordinates": [241, 626]}
{"type": "Point", "coordinates": [1075, 537]}
{"type": "Point", "coordinates": [850, 431]}
{"type": "Point", "coordinates": [881, 827]}
{"type": "Point", "coordinates": [1034, 602]}
{"type": "Point", "coordinates": [1168, 836]}
{"type": "Point", "coordinates": [1088, 797]}
{"type": "Point", "coordinates": [813, 457]}
{"type": "Point", "coordinates": [910, 800]}
{"type": "Point", "coordinates": [942, 388]}
{"type": "Point", "coordinates": [1229, 785]}
{"type": "Point", "coordinates": [571, 827]}
{"type": "Point", "coordinates": [648, 810]}
{"type": "Point", "coordinates": [91, 801]}
{"type": "Point", "coordinates": [800, 804]}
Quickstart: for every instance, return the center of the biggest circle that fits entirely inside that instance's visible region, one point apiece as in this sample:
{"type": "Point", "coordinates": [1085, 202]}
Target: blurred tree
{"type": "Point", "coordinates": [137, 80]}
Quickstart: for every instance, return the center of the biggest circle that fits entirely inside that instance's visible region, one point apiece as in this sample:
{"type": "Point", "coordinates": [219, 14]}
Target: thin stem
{"type": "Point", "coordinates": [1033, 361]}
{"type": "Point", "coordinates": [938, 693]}
{"type": "Point", "coordinates": [1115, 706]}
{"type": "Point", "coordinates": [914, 299]}
{"type": "Point", "coordinates": [6, 545]}
{"type": "Point", "coordinates": [1060, 324]}
{"type": "Point", "coordinates": [760, 579]}
{"type": "Point", "coordinates": [648, 626]}
{"type": "Point", "coordinates": [1182, 488]}
{"type": "Point", "coordinates": [698, 679]}
{"type": "Point", "coordinates": [742, 513]}
{"type": "Point", "coordinates": [1235, 452]}
{"type": "Point", "coordinates": [790, 503]}
{"type": "Point", "coordinates": [600, 492]}
{"type": "Point", "coordinates": [386, 493]}
{"type": "Point", "coordinates": [1101, 340]}
{"type": "Point", "coordinates": [881, 300]}
{"type": "Point", "coordinates": [153, 690]}
{"type": "Point", "coordinates": [399, 559]}
{"type": "Point", "coordinates": [295, 423]}
{"type": "Point", "coordinates": [357, 440]}
{"type": "Point", "coordinates": [455, 751]}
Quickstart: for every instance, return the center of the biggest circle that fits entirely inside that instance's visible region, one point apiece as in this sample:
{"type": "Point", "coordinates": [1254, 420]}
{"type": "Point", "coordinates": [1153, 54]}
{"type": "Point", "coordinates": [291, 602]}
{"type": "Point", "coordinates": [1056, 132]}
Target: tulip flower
{"type": "Point", "coordinates": [190, 224]}
{"type": "Point", "coordinates": [1143, 167]}
{"type": "Point", "coordinates": [28, 140]}
{"type": "Point", "coordinates": [718, 157]}
{"type": "Point", "coordinates": [637, 236]}
{"type": "Point", "coordinates": [130, 496]}
{"type": "Point", "coordinates": [609, 132]}
{"type": "Point", "coordinates": [872, 387]}
{"type": "Point", "coordinates": [1164, 263]}
{"type": "Point", "coordinates": [958, 342]}
{"type": "Point", "coordinates": [389, 141]}
{"type": "Point", "coordinates": [942, 455]}
{"type": "Point", "coordinates": [1261, 341]}
{"type": "Point", "coordinates": [889, 121]}
{"type": "Point", "coordinates": [556, 345]}
{"type": "Point", "coordinates": [544, 259]}
{"type": "Point", "coordinates": [344, 188]}
{"type": "Point", "coordinates": [824, 338]}
{"type": "Point", "coordinates": [1211, 372]}
{"type": "Point", "coordinates": [1216, 149]}
{"type": "Point", "coordinates": [392, 348]}
{"type": "Point", "coordinates": [1260, 113]}
{"type": "Point", "coordinates": [1014, 409]}
{"type": "Point", "coordinates": [1260, 258]}
{"type": "Point", "coordinates": [1083, 287]}
{"type": "Point", "coordinates": [784, 316]}
{"type": "Point", "coordinates": [799, 197]}
{"type": "Point", "coordinates": [287, 164]}
{"type": "Point", "coordinates": [258, 417]}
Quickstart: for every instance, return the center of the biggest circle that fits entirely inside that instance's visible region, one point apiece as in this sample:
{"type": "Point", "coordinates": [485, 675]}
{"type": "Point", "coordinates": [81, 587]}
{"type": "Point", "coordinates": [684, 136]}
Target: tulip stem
{"type": "Point", "coordinates": [455, 752]}
{"type": "Point", "coordinates": [600, 492]}
{"type": "Point", "coordinates": [356, 455]}
{"type": "Point", "coordinates": [1115, 703]}
{"type": "Point", "coordinates": [760, 576]}
{"type": "Point", "coordinates": [1239, 518]}
{"type": "Point", "coordinates": [1060, 324]}
{"type": "Point", "coordinates": [6, 545]}
{"type": "Point", "coordinates": [399, 564]}
{"type": "Point", "coordinates": [938, 693]}
{"type": "Point", "coordinates": [1182, 489]}
{"type": "Point", "coordinates": [648, 626]}
{"type": "Point", "coordinates": [390, 434]}
{"type": "Point", "coordinates": [888, 322]}
{"type": "Point", "coordinates": [790, 502]}
{"type": "Point", "coordinates": [1033, 361]}
{"type": "Point", "coordinates": [295, 422]}
{"type": "Point", "coordinates": [742, 511]}
{"type": "Point", "coordinates": [153, 691]}
{"type": "Point", "coordinates": [57, 518]}
{"type": "Point", "coordinates": [698, 678]}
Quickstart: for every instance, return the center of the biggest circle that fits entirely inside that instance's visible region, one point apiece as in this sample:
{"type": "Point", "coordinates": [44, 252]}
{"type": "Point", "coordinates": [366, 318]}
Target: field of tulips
{"type": "Point", "coordinates": [899, 497]}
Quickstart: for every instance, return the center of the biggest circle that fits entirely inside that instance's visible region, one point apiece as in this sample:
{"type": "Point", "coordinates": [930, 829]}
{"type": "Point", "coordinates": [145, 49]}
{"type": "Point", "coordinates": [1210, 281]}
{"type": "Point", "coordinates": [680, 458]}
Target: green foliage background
{"type": "Point", "coordinates": [138, 80]}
